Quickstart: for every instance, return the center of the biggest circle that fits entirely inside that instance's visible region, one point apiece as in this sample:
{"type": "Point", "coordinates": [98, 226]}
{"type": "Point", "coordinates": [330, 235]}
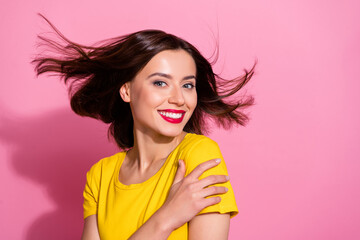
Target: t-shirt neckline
{"type": "Point", "coordinates": [147, 181]}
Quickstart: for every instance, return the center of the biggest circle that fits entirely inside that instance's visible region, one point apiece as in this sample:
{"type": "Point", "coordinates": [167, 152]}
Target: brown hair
{"type": "Point", "coordinates": [95, 75]}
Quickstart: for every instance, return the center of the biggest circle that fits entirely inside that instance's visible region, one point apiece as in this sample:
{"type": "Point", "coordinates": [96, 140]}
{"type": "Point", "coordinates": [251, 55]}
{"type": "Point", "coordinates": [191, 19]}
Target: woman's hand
{"type": "Point", "coordinates": [188, 195]}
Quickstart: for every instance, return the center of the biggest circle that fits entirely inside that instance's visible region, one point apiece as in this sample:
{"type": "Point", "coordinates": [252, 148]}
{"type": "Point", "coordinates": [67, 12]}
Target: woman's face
{"type": "Point", "coordinates": [162, 95]}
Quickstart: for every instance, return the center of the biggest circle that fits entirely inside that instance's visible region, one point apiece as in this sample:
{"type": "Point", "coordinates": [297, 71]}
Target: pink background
{"type": "Point", "coordinates": [295, 167]}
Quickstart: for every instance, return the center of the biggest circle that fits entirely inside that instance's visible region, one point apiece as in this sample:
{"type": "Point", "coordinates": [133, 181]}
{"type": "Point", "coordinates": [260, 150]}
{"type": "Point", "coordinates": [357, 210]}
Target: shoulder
{"type": "Point", "coordinates": [97, 182]}
{"type": "Point", "coordinates": [195, 144]}
{"type": "Point", "coordinates": [198, 149]}
{"type": "Point", "coordinates": [105, 166]}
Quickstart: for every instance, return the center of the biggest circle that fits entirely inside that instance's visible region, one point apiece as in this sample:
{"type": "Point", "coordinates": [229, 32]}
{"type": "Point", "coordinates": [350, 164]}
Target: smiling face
{"type": "Point", "coordinates": [162, 95]}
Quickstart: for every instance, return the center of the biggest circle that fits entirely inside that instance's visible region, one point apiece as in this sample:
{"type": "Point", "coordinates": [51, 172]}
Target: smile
{"type": "Point", "coordinates": [172, 115]}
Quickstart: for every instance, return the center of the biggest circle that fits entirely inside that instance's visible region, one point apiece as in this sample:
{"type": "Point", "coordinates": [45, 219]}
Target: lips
{"type": "Point", "coordinates": [172, 115]}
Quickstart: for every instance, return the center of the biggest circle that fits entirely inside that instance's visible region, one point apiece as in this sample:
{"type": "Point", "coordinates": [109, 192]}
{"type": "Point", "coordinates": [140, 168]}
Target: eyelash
{"type": "Point", "coordinates": [159, 83]}
{"type": "Point", "coordinates": [189, 84]}
{"type": "Point", "coordinates": [162, 84]}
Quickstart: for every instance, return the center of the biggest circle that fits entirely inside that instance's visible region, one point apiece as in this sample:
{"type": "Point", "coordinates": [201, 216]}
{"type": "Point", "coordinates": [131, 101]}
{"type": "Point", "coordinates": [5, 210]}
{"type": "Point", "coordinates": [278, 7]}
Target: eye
{"type": "Point", "coordinates": [159, 83]}
{"type": "Point", "coordinates": [189, 85]}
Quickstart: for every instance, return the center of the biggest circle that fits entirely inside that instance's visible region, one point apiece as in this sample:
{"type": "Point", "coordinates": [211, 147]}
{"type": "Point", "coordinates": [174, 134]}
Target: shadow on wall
{"type": "Point", "coordinates": [56, 150]}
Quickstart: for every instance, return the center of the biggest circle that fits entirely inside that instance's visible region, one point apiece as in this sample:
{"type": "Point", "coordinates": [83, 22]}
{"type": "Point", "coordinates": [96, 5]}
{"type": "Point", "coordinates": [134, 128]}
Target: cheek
{"type": "Point", "coordinates": [192, 101]}
{"type": "Point", "coordinates": [147, 100]}
{"type": "Point", "coordinates": [195, 97]}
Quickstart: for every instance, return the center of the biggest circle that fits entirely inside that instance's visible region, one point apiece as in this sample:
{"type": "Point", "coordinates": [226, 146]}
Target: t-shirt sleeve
{"type": "Point", "coordinates": [203, 150]}
{"type": "Point", "coordinates": [91, 191]}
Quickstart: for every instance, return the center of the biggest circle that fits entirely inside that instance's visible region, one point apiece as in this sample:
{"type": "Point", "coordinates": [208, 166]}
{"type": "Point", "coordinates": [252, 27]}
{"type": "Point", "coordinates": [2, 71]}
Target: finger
{"type": "Point", "coordinates": [201, 168]}
{"type": "Point", "coordinates": [211, 180]}
{"type": "Point", "coordinates": [214, 190]}
{"type": "Point", "coordinates": [180, 173]}
{"type": "Point", "coordinates": [206, 202]}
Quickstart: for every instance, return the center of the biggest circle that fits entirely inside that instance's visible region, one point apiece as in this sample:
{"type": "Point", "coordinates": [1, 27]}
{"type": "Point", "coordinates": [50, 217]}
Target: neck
{"type": "Point", "coordinates": [151, 149]}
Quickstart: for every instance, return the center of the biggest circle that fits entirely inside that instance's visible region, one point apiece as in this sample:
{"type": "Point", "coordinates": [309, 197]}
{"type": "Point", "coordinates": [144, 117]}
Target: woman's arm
{"type": "Point", "coordinates": [187, 197]}
{"type": "Point", "coordinates": [90, 231]}
{"type": "Point", "coordinates": [209, 226]}
{"type": "Point", "coordinates": [205, 226]}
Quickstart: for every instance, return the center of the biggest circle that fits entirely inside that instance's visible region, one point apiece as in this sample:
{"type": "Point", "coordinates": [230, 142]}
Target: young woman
{"type": "Point", "coordinates": [155, 90]}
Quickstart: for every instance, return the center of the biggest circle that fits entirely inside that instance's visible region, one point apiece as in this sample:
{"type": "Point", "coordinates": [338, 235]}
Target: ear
{"type": "Point", "coordinates": [125, 92]}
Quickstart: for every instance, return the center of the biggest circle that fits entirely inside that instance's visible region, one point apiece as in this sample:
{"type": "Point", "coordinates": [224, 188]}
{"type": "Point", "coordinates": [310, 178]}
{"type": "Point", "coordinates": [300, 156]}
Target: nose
{"type": "Point", "coordinates": [176, 96]}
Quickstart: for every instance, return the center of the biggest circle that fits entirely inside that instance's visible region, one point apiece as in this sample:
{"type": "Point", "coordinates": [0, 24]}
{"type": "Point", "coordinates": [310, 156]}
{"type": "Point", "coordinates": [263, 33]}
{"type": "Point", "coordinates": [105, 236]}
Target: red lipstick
{"type": "Point", "coordinates": [168, 115]}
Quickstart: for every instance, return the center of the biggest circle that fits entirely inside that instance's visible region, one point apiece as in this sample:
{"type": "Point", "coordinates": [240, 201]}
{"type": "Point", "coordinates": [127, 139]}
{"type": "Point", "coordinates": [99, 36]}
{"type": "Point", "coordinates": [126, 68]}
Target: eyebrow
{"type": "Point", "coordinates": [169, 76]}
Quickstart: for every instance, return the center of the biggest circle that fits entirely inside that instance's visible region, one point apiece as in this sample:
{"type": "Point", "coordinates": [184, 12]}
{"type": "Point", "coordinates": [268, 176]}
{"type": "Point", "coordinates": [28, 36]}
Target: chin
{"type": "Point", "coordinates": [172, 132]}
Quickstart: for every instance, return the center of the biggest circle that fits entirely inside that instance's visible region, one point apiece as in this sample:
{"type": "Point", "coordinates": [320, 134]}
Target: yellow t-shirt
{"type": "Point", "coordinates": [122, 209]}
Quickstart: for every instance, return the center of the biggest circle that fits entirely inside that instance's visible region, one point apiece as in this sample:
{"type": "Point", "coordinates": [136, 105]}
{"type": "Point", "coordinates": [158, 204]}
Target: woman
{"type": "Point", "coordinates": [155, 90]}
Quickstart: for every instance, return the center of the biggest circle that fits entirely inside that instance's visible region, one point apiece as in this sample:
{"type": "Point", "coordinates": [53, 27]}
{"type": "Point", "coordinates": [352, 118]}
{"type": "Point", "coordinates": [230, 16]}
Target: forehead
{"type": "Point", "coordinates": [173, 62]}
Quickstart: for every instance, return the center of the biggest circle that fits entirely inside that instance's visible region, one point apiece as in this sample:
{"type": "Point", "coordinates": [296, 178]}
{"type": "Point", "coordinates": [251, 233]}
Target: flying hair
{"type": "Point", "coordinates": [95, 74]}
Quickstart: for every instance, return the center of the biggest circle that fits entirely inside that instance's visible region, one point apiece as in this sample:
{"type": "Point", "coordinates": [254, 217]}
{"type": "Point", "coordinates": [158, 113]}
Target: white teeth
{"type": "Point", "coordinates": [171, 115]}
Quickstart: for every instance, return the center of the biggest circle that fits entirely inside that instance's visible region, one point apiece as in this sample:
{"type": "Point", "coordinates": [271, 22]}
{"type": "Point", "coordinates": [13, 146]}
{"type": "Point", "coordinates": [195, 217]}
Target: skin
{"type": "Point", "coordinates": [150, 91]}
{"type": "Point", "coordinates": [167, 82]}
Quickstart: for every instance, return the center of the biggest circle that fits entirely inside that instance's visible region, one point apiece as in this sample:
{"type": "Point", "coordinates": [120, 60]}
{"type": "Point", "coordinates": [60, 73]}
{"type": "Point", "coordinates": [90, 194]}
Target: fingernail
{"type": "Point", "coordinates": [218, 160]}
{"type": "Point", "coordinates": [226, 189]}
{"type": "Point", "coordinates": [227, 177]}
